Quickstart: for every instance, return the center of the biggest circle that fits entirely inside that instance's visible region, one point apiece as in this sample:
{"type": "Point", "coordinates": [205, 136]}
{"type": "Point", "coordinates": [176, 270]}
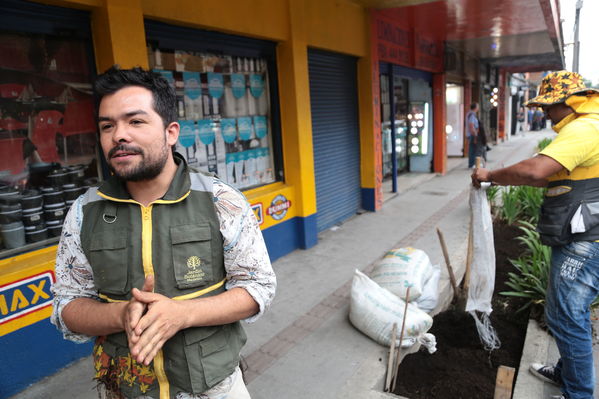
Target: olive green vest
{"type": "Point", "coordinates": [178, 239]}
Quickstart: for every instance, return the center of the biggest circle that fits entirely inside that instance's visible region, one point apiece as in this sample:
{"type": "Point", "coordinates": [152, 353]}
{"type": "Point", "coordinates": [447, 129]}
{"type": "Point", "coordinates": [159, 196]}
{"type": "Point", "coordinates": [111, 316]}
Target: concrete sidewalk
{"type": "Point", "coordinates": [305, 346]}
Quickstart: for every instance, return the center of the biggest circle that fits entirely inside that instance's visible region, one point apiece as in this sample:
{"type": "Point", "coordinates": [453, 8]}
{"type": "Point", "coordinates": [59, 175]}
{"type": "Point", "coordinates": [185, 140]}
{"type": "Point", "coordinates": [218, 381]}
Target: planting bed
{"type": "Point", "coordinates": [461, 368]}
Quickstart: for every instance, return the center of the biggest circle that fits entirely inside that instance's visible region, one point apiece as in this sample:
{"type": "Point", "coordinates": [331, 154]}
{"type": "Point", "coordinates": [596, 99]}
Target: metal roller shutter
{"type": "Point", "coordinates": [336, 141]}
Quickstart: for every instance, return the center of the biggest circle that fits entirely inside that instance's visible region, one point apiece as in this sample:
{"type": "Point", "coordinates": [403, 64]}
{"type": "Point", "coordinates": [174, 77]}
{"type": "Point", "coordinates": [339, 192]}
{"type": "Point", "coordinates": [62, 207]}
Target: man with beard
{"type": "Point", "coordinates": [161, 262]}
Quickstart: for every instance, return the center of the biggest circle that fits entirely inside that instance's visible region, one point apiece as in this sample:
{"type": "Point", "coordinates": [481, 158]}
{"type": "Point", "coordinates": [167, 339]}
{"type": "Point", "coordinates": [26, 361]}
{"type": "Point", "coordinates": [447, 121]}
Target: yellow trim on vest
{"type": "Point", "coordinates": [108, 299]}
{"type": "Point", "coordinates": [146, 256]}
{"type": "Point", "coordinates": [146, 239]}
{"type": "Point", "coordinates": [192, 295]}
{"type": "Point", "coordinates": [161, 201]}
{"type": "Point", "coordinates": [131, 201]}
{"type": "Point", "coordinates": [201, 292]}
{"type": "Point", "coordinates": [161, 375]}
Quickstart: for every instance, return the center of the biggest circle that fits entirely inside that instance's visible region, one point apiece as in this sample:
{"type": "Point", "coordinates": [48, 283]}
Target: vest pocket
{"type": "Point", "coordinates": [192, 255]}
{"type": "Point", "coordinates": [212, 355]}
{"type": "Point", "coordinates": [108, 257]}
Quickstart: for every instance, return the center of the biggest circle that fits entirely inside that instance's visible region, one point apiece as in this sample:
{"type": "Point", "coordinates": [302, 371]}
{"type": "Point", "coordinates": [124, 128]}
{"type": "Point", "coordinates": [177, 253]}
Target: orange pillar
{"type": "Point", "coordinates": [439, 122]}
{"type": "Point", "coordinates": [502, 105]}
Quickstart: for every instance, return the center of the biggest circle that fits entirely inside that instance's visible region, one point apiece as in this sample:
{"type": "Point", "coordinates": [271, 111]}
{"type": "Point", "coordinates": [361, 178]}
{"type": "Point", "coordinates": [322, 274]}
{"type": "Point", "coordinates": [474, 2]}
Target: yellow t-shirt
{"type": "Point", "coordinates": [577, 143]}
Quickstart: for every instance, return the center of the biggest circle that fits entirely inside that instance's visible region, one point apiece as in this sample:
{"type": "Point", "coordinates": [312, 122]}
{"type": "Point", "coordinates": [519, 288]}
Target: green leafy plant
{"type": "Point", "coordinates": [492, 194]}
{"type": "Point", "coordinates": [544, 143]}
{"type": "Point", "coordinates": [533, 269]}
{"type": "Point", "coordinates": [510, 209]}
{"type": "Point", "coordinates": [530, 200]}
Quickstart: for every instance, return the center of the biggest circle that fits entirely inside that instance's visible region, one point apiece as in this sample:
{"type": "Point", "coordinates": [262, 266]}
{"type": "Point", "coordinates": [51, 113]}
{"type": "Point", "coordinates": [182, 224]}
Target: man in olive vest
{"type": "Point", "coordinates": [160, 262]}
{"type": "Point", "coordinates": [569, 223]}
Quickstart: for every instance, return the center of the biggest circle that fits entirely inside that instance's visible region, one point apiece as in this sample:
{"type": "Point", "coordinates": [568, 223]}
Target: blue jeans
{"type": "Point", "coordinates": [473, 151]}
{"type": "Point", "coordinates": [573, 285]}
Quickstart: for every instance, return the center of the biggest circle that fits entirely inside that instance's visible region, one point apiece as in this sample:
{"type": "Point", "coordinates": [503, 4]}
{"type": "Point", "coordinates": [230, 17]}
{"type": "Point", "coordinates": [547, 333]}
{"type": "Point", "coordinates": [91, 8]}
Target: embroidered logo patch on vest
{"type": "Point", "coordinates": [194, 270]}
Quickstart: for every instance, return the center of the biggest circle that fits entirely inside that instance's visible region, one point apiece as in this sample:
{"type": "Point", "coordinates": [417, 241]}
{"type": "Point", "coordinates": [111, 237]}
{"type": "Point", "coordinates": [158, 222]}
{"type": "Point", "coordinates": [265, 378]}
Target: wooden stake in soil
{"type": "Point", "coordinates": [403, 325]}
{"type": "Point", "coordinates": [390, 362]}
{"type": "Point", "coordinates": [448, 264]}
{"type": "Point", "coordinates": [504, 382]}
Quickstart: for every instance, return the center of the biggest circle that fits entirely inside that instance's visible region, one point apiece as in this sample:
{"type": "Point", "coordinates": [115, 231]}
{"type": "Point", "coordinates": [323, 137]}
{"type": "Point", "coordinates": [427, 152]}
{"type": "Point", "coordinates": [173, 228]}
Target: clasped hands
{"type": "Point", "coordinates": [150, 319]}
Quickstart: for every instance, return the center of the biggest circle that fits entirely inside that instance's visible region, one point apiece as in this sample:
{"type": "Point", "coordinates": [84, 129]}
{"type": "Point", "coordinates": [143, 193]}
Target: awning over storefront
{"type": "Point", "coordinates": [518, 35]}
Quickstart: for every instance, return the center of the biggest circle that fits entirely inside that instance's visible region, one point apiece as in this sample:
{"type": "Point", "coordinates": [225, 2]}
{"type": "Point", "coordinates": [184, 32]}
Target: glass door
{"type": "Point", "coordinates": [401, 110]}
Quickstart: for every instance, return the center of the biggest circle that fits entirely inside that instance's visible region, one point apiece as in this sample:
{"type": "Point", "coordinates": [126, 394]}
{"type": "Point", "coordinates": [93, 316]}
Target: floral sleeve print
{"type": "Point", "coordinates": [74, 278]}
{"type": "Point", "coordinates": [246, 259]}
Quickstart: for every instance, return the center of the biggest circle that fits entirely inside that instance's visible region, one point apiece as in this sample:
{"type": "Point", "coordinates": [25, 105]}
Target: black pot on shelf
{"type": "Point", "coordinates": [9, 195]}
{"type": "Point", "coordinates": [31, 199]}
{"type": "Point", "coordinates": [76, 173]}
{"type": "Point", "coordinates": [58, 177]}
{"type": "Point", "coordinates": [52, 195]}
{"type": "Point", "coordinates": [10, 207]}
{"type": "Point", "coordinates": [54, 212]}
{"type": "Point", "coordinates": [71, 191]}
{"type": "Point", "coordinates": [38, 172]}
{"type": "Point", "coordinates": [33, 216]}
{"type": "Point", "coordinates": [13, 216]}
{"type": "Point", "coordinates": [54, 228]}
{"type": "Point", "coordinates": [36, 233]}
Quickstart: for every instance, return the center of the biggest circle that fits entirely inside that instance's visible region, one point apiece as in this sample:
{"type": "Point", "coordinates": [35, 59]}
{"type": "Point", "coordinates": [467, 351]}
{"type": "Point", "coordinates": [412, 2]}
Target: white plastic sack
{"type": "Point", "coordinates": [373, 310]}
{"type": "Point", "coordinates": [430, 293]}
{"type": "Point", "coordinates": [482, 269]}
{"type": "Point", "coordinates": [401, 268]}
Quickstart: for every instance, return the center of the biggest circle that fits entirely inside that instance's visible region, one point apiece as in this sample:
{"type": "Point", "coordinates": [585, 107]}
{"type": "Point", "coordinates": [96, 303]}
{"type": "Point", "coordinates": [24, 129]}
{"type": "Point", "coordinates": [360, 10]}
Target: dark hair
{"type": "Point", "coordinates": [473, 105]}
{"type": "Point", "coordinates": [164, 97]}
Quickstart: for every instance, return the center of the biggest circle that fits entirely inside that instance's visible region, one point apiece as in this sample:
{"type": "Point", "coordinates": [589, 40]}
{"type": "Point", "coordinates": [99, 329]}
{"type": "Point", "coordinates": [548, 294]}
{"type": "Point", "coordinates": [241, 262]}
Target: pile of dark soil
{"type": "Point", "coordinates": [461, 368]}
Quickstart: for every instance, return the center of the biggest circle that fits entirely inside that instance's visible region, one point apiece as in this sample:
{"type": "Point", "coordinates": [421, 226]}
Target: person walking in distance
{"type": "Point", "coordinates": [160, 262]}
{"type": "Point", "coordinates": [569, 168]}
{"type": "Point", "coordinates": [472, 127]}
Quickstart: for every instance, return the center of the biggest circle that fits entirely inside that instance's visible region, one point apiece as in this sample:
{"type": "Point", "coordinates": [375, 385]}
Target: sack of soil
{"type": "Point", "coordinates": [401, 268]}
{"type": "Point", "coordinates": [430, 292]}
{"type": "Point", "coordinates": [373, 310]}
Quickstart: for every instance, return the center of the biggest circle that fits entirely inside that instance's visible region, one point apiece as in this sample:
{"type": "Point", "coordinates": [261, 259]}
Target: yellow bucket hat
{"type": "Point", "coordinates": [556, 87]}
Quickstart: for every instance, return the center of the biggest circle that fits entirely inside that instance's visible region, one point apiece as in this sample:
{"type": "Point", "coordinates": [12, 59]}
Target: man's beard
{"type": "Point", "coordinates": [147, 169]}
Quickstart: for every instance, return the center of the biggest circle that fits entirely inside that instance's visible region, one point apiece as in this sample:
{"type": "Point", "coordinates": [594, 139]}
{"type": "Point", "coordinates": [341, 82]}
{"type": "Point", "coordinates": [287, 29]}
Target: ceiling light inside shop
{"type": "Point", "coordinates": [414, 149]}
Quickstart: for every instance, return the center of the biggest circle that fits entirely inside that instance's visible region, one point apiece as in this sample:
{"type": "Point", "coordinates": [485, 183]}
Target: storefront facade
{"type": "Point", "coordinates": [304, 105]}
{"type": "Point", "coordinates": [244, 84]}
{"type": "Point", "coordinates": [410, 67]}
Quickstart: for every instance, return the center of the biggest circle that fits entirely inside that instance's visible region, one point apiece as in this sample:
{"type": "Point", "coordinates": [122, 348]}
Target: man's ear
{"type": "Point", "coordinates": [172, 133]}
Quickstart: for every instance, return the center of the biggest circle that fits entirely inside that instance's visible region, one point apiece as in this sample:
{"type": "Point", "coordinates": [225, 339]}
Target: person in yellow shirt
{"type": "Point", "coordinates": [569, 223]}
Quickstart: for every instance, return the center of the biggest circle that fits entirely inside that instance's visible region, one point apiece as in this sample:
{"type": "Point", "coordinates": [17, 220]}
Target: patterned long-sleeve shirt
{"type": "Point", "coordinates": [246, 261]}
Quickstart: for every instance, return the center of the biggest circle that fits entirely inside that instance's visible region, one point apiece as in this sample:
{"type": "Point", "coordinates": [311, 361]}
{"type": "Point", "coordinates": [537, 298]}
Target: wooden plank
{"type": "Point", "coordinates": [504, 382]}
{"type": "Point", "coordinates": [391, 366]}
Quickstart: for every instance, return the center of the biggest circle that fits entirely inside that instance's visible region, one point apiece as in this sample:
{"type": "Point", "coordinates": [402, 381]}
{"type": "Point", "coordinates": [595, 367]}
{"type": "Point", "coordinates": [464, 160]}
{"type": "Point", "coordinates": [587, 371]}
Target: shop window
{"type": "Point", "coordinates": [48, 145]}
{"type": "Point", "coordinates": [225, 105]}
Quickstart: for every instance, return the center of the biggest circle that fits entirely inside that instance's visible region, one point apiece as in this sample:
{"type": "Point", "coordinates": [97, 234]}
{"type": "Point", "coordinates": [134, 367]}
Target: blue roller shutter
{"type": "Point", "coordinates": [336, 141]}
